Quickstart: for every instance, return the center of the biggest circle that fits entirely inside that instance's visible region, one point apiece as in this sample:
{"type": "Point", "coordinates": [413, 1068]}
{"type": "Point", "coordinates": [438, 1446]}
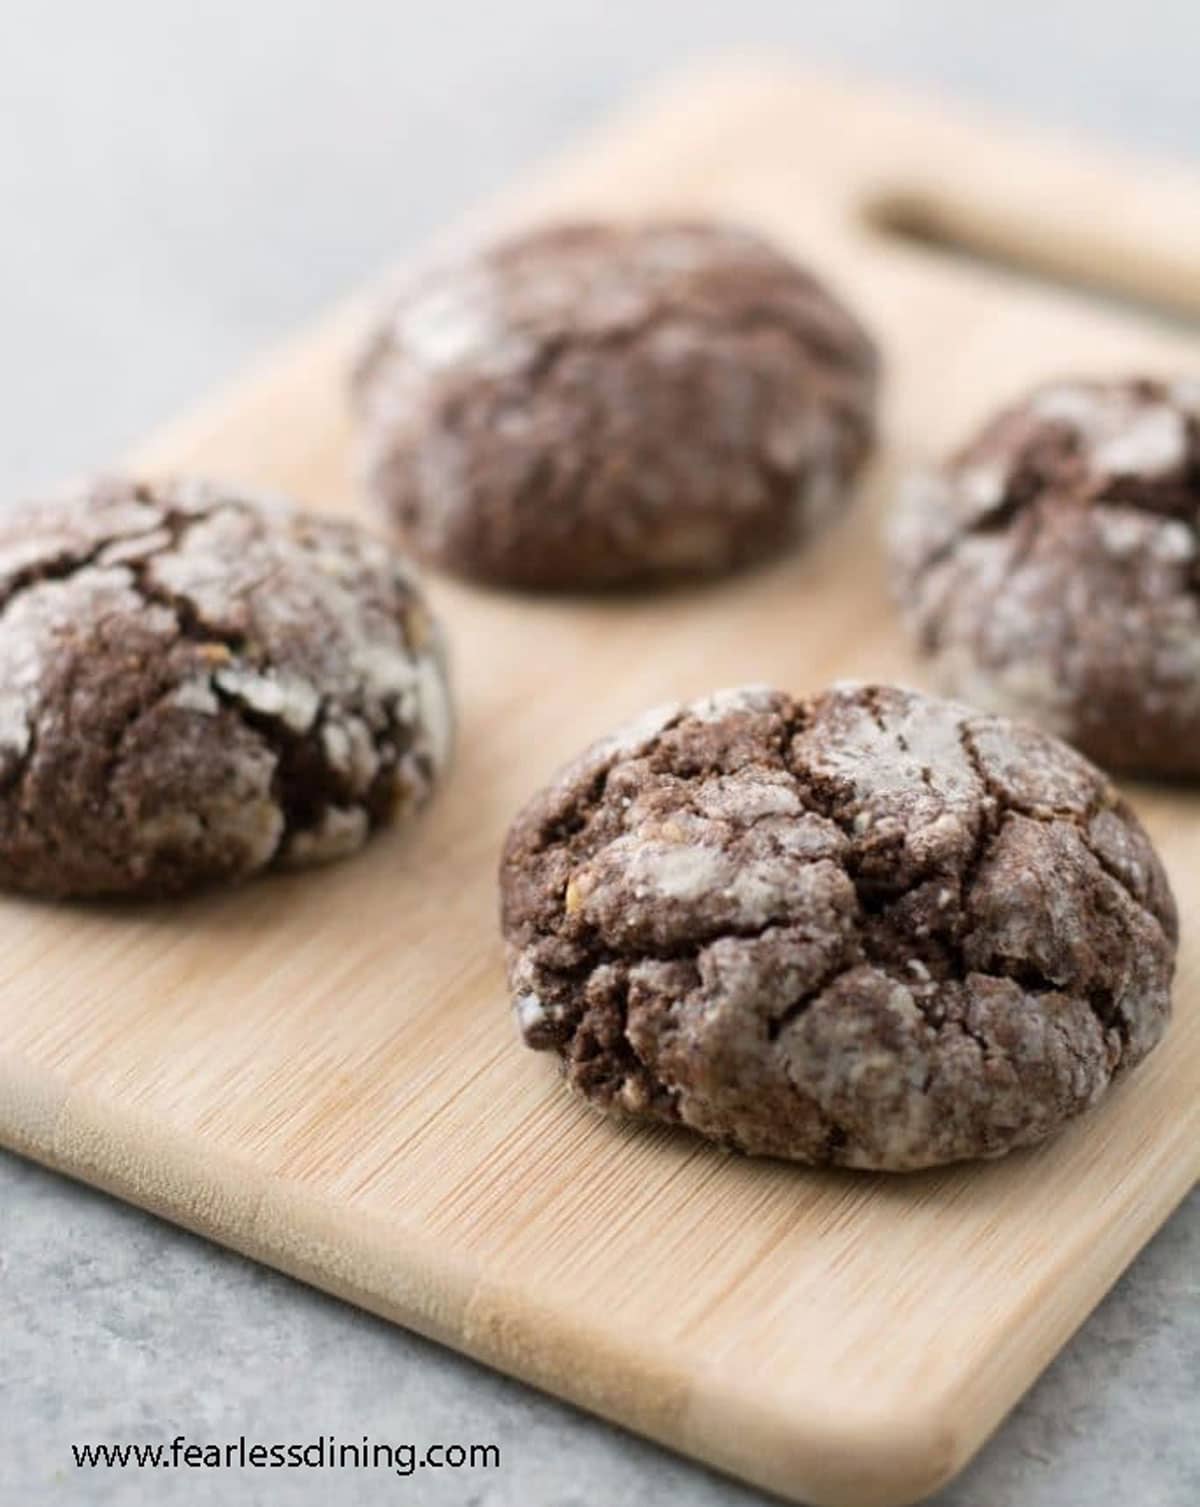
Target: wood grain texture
{"type": "Point", "coordinates": [320, 1070]}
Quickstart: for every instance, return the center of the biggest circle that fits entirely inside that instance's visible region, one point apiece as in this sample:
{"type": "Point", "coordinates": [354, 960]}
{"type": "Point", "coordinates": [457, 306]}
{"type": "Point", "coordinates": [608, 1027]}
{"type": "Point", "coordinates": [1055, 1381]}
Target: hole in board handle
{"type": "Point", "coordinates": [1051, 260]}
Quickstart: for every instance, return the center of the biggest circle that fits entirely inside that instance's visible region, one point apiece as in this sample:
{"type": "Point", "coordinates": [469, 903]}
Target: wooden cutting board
{"type": "Point", "coordinates": [320, 1070]}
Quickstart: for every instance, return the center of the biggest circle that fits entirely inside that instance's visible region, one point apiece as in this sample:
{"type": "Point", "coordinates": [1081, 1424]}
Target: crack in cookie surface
{"type": "Point", "coordinates": [872, 927]}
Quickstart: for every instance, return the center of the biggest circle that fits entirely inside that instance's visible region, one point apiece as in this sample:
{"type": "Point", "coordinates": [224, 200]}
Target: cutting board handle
{"type": "Point", "coordinates": [1073, 241]}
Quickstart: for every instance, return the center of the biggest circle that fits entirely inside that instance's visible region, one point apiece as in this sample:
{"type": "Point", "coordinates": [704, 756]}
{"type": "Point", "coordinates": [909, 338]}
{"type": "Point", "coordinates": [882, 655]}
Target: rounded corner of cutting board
{"type": "Point", "coordinates": [841, 1453]}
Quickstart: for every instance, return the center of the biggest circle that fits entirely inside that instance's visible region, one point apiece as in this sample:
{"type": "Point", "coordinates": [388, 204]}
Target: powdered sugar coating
{"type": "Point", "coordinates": [196, 684]}
{"type": "Point", "coordinates": [1050, 570]}
{"type": "Point", "coordinates": [872, 928]}
{"type": "Point", "coordinates": [590, 404]}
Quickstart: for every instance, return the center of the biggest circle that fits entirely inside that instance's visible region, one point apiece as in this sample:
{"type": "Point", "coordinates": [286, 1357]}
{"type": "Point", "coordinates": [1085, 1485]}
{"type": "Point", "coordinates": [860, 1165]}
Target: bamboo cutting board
{"type": "Point", "coordinates": [320, 1069]}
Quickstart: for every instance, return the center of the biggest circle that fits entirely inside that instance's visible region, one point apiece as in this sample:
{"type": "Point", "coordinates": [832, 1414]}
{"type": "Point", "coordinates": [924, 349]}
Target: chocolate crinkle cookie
{"type": "Point", "coordinates": [872, 928]}
{"type": "Point", "coordinates": [1051, 569]}
{"type": "Point", "coordinates": [196, 685]}
{"type": "Point", "coordinates": [587, 404]}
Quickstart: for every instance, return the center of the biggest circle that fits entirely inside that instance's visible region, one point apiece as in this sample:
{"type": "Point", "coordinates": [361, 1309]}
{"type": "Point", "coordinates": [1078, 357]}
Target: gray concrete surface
{"type": "Point", "coordinates": [181, 183]}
